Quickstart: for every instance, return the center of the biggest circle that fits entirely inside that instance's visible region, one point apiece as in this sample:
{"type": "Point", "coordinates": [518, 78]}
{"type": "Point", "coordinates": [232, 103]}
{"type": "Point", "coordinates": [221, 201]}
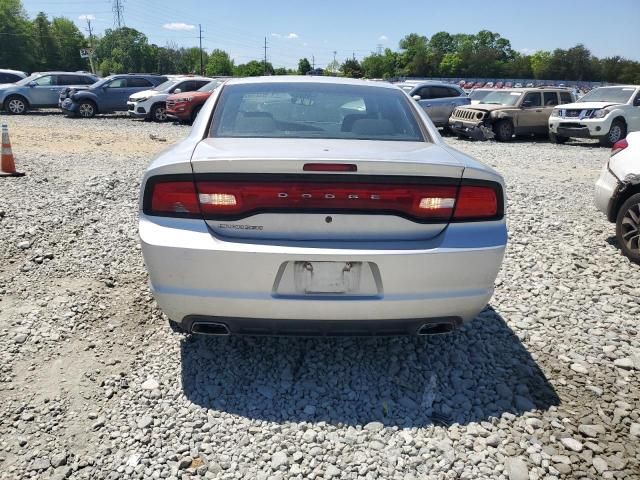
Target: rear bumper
{"type": "Point", "coordinates": [279, 327]}
{"type": "Point", "coordinates": [193, 272]}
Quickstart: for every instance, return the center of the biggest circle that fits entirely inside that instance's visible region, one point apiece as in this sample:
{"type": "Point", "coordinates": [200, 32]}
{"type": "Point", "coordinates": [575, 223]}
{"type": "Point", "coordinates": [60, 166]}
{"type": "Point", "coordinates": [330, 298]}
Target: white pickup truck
{"type": "Point", "coordinates": [606, 113]}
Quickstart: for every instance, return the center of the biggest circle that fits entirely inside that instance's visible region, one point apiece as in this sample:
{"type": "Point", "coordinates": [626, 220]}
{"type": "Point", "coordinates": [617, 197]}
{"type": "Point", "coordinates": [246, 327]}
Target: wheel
{"type": "Point", "coordinates": [617, 132]}
{"type": "Point", "coordinates": [553, 138]}
{"type": "Point", "coordinates": [628, 228]}
{"type": "Point", "coordinates": [159, 112]}
{"type": "Point", "coordinates": [195, 113]}
{"type": "Point", "coordinates": [16, 105]}
{"type": "Point", "coordinates": [87, 109]}
{"type": "Point", "coordinates": [503, 130]}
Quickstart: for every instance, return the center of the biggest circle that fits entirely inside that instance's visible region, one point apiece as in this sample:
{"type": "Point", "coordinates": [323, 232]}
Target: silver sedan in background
{"type": "Point", "coordinates": [313, 206]}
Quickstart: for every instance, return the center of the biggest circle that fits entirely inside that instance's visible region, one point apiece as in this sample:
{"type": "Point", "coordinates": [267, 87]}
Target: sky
{"type": "Point", "coordinates": [296, 29]}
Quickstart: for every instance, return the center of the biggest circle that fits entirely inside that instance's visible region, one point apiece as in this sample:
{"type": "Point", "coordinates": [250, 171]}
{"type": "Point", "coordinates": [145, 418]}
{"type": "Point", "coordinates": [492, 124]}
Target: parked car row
{"type": "Point", "coordinates": [81, 94]}
{"type": "Point", "coordinates": [606, 114]}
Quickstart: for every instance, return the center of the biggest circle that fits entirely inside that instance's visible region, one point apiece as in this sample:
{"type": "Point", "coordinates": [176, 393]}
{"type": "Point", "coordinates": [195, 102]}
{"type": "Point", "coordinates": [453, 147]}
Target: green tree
{"type": "Point", "coordinates": [303, 66]}
{"type": "Point", "coordinates": [69, 40]}
{"type": "Point", "coordinates": [351, 68]}
{"type": "Point", "coordinates": [254, 68]}
{"type": "Point", "coordinates": [281, 71]}
{"type": "Point", "coordinates": [47, 48]}
{"type": "Point", "coordinates": [219, 63]}
{"type": "Point", "coordinates": [414, 56]}
{"type": "Point", "coordinates": [124, 50]}
{"type": "Point", "coordinates": [16, 37]}
{"type": "Point", "coordinates": [541, 63]}
{"type": "Point", "coordinates": [188, 60]}
{"type": "Point", "coordinates": [451, 65]}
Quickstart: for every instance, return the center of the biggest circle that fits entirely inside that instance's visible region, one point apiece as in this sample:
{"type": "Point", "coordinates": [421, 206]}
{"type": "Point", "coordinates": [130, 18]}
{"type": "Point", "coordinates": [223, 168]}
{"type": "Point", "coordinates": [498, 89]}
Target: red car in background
{"type": "Point", "coordinates": [185, 106]}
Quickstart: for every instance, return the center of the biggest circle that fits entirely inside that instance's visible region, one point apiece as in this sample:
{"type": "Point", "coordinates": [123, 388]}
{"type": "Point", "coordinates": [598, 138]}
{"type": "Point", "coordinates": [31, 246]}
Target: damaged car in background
{"type": "Point", "coordinates": [606, 113]}
{"type": "Point", "coordinates": [618, 193]}
{"type": "Point", "coordinates": [505, 113]}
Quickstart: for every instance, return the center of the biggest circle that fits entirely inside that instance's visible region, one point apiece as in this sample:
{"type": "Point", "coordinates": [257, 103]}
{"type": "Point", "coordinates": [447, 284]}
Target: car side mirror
{"type": "Point", "coordinates": [33, 84]}
{"type": "Point", "coordinates": [177, 90]}
{"type": "Point", "coordinates": [416, 97]}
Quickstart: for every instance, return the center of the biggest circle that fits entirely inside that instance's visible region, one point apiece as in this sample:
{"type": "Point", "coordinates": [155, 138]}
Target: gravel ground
{"type": "Point", "coordinates": [95, 385]}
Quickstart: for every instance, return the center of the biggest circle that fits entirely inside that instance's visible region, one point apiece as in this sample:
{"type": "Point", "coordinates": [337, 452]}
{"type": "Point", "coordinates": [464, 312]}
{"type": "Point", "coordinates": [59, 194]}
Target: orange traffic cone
{"type": "Point", "coordinates": [7, 165]}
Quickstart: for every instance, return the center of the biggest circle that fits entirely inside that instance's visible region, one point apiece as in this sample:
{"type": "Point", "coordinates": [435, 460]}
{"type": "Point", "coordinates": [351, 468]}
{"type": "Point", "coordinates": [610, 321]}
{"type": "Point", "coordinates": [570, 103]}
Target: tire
{"type": "Point", "coordinates": [503, 130]}
{"type": "Point", "coordinates": [87, 109]}
{"type": "Point", "coordinates": [553, 138]}
{"type": "Point", "coordinates": [159, 112]}
{"type": "Point", "coordinates": [618, 131]}
{"type": "Point", "coordinates": [195, 112]}
{"type": "Point", "coordinates": [16, 105]}
{"type": "Point", "coordinates": [628, 228]}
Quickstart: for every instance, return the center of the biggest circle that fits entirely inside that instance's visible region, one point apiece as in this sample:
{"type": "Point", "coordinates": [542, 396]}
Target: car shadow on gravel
{"type": "Point", "coordinates": [478, 372]}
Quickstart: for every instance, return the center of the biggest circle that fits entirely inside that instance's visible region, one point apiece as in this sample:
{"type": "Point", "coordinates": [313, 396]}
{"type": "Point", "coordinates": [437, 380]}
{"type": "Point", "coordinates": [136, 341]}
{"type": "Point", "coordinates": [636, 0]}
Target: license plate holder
{"type": "Point", "coordinates": [327, 277]}
{"type": "Point", "coordinates": [458, 125]}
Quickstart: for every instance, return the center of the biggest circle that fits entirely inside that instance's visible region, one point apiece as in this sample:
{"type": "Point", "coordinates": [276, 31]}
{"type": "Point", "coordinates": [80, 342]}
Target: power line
{"type": "Point", "coordinates": [118, 13]}
{"type": "Point", "coordinates": [93, 70]}
{"type": "Point", "coordinates": [265, 55]}
{"type": "Point", "coordinates": [201, 59]}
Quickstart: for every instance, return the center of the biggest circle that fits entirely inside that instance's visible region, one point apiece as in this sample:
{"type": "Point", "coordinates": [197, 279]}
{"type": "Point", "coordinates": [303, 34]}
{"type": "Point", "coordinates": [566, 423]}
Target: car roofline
{"type": "Point", "coordinates": [308, 79]}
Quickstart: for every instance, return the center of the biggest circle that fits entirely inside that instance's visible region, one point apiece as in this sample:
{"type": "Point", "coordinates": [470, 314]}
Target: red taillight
{"type": "Point", "coordinates": [424, 202]}
{"type": "Point", "coordinates": [475, 202]}
{"type": "Point", "coordinates": [174, 198]}
{"type": "Point", "coordinates": [330, 167]}
{"type": "Point", "coordinates": [619, 146]}
{"type": "Point", "coordinates": [235, 199]}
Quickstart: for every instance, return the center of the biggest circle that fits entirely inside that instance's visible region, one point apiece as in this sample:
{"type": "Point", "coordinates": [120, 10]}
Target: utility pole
{"type": "Point", "coordinates": [313, 62]}
{"type": "Point", "coordinates": [353, 55]}
{"type": "Point", "coordinates": [379, 49]}
{"type": "Point", "coordinates": [265, 55]}
{"type": "Point", "coordinates": [118, 13]}
{"type": "Point", "coordinates": [93, 69]}
{"type": "Point", "coordinates": [201, 60]}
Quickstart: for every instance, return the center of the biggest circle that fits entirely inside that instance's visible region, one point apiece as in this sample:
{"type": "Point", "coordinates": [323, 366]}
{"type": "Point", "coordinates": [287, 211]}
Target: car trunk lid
{"type": "Point", "coordinates": [289, 189]}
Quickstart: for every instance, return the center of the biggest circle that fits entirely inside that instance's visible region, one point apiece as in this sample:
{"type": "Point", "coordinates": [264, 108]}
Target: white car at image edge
{"type": "Point", "coordinates": [618, 193]}
{"type": "Point", "coordinates": [605, 113]}
{"type": "Point", "coordinates": [318, 206]}
{"type": "Point", "coordinates": [151, 104]}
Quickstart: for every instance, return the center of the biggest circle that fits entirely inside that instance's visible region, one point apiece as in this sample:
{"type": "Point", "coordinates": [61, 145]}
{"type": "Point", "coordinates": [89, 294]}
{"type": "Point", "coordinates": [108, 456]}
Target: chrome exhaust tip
{"type": "Point", "coordinates": [210, 328]}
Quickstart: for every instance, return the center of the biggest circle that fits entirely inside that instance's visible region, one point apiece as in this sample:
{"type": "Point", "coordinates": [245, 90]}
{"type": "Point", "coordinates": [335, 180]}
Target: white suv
{"type": "Point", "coordinates": [606, 113]}
{"type": "Point", "coordinates": [151, 104]}
{"type": "Point", "coordinates": [618, 193]}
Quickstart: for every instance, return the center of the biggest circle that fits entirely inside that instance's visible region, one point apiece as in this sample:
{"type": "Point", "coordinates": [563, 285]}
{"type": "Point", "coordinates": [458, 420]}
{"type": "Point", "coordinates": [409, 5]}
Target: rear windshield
{"type": "Point", "coordinates": [314, 110]}
{"type": "Point", "coordinates": [609, 94]}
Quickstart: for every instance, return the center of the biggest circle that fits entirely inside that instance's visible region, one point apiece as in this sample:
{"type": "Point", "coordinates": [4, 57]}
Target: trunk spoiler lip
{"type": "Point", "coordinates": [311, 178]}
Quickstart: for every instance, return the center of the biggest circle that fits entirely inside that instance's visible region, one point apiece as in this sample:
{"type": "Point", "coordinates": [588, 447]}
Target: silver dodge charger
{"type": "Point", "coordinates": [319, 206]}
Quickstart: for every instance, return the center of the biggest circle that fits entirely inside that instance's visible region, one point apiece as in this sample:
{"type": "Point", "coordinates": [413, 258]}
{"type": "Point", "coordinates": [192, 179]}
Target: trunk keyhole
{"type": "Point", "coordinates": [328, 219]}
